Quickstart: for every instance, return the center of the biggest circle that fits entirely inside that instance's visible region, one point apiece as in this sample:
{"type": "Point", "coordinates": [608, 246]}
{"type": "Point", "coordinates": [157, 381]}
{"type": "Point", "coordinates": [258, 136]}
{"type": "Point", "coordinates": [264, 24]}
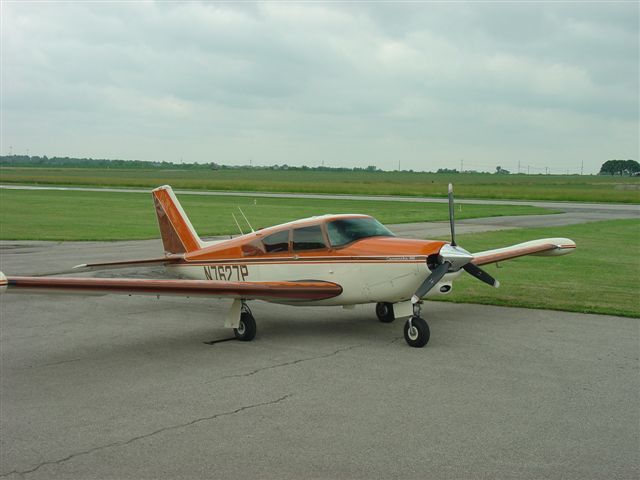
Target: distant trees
{"type": "Point", "coordinates": [56, 162]}
{"type": "Point", "coordinates": [500, 170]}
{"type": "Point", "coordinates": [620, 167]}
{"type": "Point", "coordinates": [447, 170]}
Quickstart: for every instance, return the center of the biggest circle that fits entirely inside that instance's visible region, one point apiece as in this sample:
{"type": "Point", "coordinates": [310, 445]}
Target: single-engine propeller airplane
{"type": "Point", "coordinates": [326, 260]}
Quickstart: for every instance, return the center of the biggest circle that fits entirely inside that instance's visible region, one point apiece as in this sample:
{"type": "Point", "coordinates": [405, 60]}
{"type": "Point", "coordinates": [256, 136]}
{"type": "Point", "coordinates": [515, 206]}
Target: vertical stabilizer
{"type": "Point", "coordinates": [178, 235]}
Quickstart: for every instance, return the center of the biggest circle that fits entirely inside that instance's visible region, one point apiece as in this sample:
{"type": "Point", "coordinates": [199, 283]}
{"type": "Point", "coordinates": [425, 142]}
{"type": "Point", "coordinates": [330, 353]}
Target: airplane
{"type": "Point", "coordinates": [328, 260]}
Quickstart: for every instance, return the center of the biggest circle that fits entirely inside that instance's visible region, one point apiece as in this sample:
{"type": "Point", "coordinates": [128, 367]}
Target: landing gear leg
{"type": "Point", "coordinates": [246, 330]}
{"type": "Point", "coordinates": [384, 312]}
{"type": "Point", "coordinates": [416, 329]}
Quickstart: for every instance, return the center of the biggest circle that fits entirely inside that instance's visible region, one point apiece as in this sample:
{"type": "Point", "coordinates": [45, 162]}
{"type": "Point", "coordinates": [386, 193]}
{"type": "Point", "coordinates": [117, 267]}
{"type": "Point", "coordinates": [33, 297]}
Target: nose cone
{"type": "Point", "coordinates": [456, 256]}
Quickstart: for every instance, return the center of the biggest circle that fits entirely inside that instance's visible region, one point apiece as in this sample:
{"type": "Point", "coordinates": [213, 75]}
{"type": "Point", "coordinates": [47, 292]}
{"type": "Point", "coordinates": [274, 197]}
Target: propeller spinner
{"type": "Point", "coordinates": [452, 258]}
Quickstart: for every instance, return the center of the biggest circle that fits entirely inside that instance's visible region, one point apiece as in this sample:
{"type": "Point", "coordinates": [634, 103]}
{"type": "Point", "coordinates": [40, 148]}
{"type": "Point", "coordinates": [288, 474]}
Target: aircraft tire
{"type": "Point", "coordinates": [419, 334]}
{"type": "Point", "coordinates": [246, 331]}
{"type": "Point", "coordinates": [384, 311]}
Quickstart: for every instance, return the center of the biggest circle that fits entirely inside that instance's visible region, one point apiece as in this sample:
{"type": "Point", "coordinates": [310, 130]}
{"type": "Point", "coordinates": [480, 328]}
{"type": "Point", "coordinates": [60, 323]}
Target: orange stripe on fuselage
{"type": "Point", "coordinates": [380, 248]}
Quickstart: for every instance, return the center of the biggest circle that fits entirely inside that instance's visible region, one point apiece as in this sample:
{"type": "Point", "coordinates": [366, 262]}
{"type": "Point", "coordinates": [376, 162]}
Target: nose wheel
{"type": "Point", "coordinates": [416, 332]}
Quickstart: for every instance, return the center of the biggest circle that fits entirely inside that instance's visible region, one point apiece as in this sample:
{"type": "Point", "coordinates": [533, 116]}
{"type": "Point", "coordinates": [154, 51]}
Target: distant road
{"type": "Point", "coordinates": [630, 210]}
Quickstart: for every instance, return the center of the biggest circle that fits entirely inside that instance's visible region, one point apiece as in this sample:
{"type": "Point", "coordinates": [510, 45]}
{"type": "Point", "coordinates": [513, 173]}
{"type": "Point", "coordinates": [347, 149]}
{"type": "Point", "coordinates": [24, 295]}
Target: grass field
{"type": "Point", "coordinates": [72, 215]}
{"type": "Point", "coordinates": [526, 187]}
{"type": "Point", "coordinates": [601, 276]}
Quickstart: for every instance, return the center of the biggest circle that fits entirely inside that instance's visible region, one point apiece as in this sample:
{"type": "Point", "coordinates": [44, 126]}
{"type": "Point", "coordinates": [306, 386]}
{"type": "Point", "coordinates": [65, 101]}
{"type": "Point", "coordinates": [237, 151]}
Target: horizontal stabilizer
{"type": "Point", "coordinates": [152, 262]}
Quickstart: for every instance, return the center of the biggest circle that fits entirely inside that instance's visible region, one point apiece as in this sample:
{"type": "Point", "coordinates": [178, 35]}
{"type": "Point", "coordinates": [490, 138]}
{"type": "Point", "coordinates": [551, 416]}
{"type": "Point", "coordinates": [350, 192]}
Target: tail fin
{"type": "Point", "coordinates": [178, 235]}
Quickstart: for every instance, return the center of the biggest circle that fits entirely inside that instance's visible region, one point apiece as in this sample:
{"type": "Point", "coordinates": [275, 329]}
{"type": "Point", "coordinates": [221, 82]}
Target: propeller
{"type": "Point", "coordinates": [431, 281]}
{"type": "Point", "coordinates": [481, 275]}
{"type": "Point", "coordinates": [452, 223]}
{"type": "Point", "coordinates": [452, 258]}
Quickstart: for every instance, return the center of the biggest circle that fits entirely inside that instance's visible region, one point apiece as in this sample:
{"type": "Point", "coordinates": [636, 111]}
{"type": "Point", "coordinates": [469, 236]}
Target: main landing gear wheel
{"type": "Point", "coordinates": [246, 330]}
{"type": "Point", "coordinates": [416, 332]}
{"type": "Point", "coordinates": [384, 311]}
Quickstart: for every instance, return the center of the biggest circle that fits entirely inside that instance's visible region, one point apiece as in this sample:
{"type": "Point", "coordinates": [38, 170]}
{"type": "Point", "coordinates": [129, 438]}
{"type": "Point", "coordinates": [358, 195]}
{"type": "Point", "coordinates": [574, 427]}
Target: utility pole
{"type": "Point", "coordinates": [582, 168]}
{"type": "Point", "coordinates": [546, 170]}
{"type": "Point", "coordinates": [518, 167]}
{"type": "Point", "coordinates": [398, 164]}
{"type": "Point", "coordinates": [528, 169]}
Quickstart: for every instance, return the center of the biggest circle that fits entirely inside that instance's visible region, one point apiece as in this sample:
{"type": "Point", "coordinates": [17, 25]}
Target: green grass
{"type": "Point", "coordinates": [73, 215]}
{"type": "Point", "coordinates": [601, 276]}
{"type": "Point", "coordinates": [590, 188]}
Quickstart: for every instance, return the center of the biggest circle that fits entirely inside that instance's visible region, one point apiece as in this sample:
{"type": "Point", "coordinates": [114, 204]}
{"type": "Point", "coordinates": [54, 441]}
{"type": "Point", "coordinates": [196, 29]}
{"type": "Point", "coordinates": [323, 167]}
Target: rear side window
{"type": "Point", "coordinates": [308, 238]}
{"type": "Point", "coordinates": [277, 242]}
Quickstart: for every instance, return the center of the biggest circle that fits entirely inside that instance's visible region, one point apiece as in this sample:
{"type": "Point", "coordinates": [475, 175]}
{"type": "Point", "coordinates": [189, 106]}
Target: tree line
{"type": "Point", "coordinates": [620, 167]}
{"type": "Point", "coordinates": [610, 167]}
{"type": "Point", "coordinates": [54, 162]}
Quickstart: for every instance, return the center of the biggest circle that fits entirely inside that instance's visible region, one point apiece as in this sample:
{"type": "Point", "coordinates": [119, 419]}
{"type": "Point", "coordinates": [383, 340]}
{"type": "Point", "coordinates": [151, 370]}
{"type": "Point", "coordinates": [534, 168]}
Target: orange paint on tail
{"type": "Point", "coordinates": [178, 235]}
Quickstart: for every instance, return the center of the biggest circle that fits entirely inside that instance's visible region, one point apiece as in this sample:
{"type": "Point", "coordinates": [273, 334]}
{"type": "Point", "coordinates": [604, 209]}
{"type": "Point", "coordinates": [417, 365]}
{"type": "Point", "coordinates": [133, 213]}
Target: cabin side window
{"type": "Point", "coordinates": [308, 238]}
{"type": "Point", "coordinates": [252, 248]}
{"type": "Point", "coordinates": [276, 242]}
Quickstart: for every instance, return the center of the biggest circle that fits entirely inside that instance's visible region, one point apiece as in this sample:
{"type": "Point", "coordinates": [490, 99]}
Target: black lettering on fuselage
{"type": "Point", "coordinates": [227, 273]}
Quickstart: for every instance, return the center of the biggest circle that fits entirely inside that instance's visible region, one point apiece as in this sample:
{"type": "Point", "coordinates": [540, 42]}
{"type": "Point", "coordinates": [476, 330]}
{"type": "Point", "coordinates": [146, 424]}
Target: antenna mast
{"type": "Point", "coordinates": [236, 220]}
{"type": "Point", "coordinates": [245, 219]}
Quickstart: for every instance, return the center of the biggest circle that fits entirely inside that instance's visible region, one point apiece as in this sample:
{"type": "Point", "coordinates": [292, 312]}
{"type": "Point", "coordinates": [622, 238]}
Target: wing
{"type": "Point", "coordinates": [270, 291]}
{"type": "Point", "coordinates": [542, 247]}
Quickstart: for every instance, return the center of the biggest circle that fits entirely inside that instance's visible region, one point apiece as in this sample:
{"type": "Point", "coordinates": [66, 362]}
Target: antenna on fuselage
{"type": "Point", "coordinates": [236, 220]}
{"type": "Point", "coordinates": [245, 219]}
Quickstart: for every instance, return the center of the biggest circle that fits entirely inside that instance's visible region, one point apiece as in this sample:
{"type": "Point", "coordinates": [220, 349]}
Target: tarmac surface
{"type": "Point", "coordinates": [126, 387]}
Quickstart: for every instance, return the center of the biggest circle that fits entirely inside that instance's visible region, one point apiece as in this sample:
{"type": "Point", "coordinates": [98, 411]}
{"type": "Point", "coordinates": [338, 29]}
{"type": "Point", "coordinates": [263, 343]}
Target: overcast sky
{"type": "Point", "coordinates": [429, 85]}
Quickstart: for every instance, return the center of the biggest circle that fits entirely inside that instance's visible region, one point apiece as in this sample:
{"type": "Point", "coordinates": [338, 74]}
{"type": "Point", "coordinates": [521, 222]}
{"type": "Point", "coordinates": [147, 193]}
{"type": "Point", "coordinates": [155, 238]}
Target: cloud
{"type": "Point", "coordinates": [297, 83]}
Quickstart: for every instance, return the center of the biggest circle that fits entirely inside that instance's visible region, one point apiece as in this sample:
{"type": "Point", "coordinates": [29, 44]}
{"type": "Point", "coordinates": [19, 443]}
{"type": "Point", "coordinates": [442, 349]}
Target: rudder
{"type": "Point", "coordinates": [178, 235]}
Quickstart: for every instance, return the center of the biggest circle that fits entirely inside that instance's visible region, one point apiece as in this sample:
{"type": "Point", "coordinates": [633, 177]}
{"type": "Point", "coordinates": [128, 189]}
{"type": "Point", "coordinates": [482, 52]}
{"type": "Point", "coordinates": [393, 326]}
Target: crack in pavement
{"type": "Point", "coordinates": [140, 437]}
{"type": "Point", "coordinates": [292, 362]}
{"type": "Point", "coordinates": [42, 365]}
{"type": "Point", "coordinates": [173, 427]}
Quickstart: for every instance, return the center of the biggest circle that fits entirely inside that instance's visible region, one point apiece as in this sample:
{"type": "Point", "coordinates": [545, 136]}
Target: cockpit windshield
{"type": "Point", "coordinates": [347, 230]}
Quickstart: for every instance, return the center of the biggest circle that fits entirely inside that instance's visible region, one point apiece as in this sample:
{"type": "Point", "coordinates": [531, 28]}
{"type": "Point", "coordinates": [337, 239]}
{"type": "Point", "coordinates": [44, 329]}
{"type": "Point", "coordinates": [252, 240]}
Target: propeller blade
{"type": "Point", "coordinates": [451, 219]}
{"type": "Point", "coordinates": [430, 281]}
{"type": "Point", "coordinates": [481, 275]}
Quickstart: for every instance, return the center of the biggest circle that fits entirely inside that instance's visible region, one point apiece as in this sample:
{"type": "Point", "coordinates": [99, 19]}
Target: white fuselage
{"type": "Point", "coordinates": [363, 281]}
